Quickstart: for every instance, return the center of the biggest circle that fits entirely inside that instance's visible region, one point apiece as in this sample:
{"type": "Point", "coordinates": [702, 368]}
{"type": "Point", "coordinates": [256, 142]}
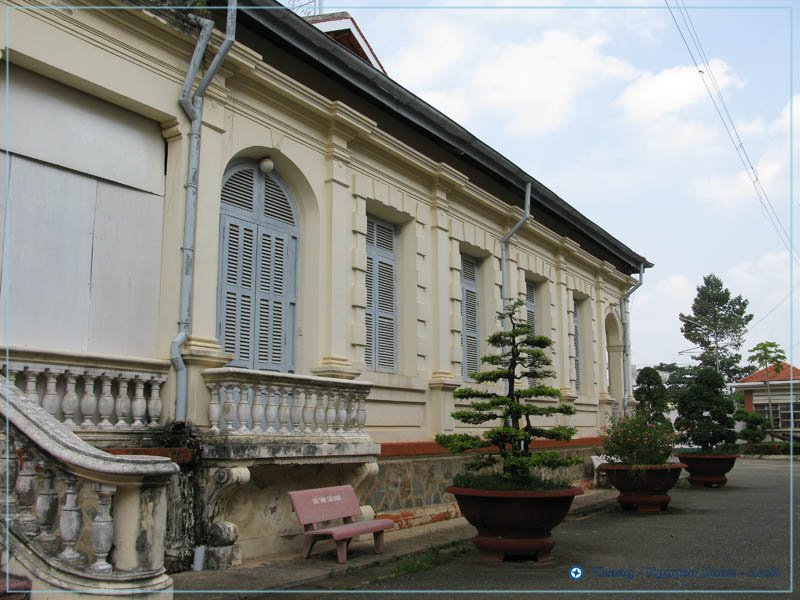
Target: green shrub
{"type": "Point", "coordinates": [705, 411]}
{"type": "Point", "coordinates": [636, 440]}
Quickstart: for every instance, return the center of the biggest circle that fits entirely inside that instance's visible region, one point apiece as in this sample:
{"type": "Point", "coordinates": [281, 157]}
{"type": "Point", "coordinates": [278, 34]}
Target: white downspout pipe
{"type": "Point", "coordinates": [626, 336]}
{"type": "Point", "coordinates": [194, 110]}
{"type": "Point", "coordinates": [505, 240]}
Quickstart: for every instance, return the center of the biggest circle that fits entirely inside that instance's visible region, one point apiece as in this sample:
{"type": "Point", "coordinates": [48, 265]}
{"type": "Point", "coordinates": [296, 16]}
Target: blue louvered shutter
{"type": "Point", "coordinates": [530, 305]}
{"type": "Point", "coordinates": [470, 336]}
{"type": "Point", "coordinates": [380, 353]}
{"type": "Point", "coordinates": [237, 293]}
{"type": "Point", "coordinates": [275, 302]}
{"type": "Point", "coordinates": [258, 265]}
{"type": "Point", "coordinates": [576, 322]}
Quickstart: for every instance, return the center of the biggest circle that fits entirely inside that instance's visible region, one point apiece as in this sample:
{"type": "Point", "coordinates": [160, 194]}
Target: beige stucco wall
{"type": "Point", "coordinates": [339, 168]}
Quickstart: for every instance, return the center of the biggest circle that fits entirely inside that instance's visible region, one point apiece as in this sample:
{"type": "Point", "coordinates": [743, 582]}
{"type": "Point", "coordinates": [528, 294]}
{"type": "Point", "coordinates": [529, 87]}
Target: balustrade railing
{"type": "Point", "coordinates": [59, 531]}
{"type": "Point", "coordinates": [88, 394]}
{"type": "Point", "coordinates": [263, 403]}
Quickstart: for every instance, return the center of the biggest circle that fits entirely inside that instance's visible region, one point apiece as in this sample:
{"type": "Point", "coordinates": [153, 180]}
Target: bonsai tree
{"type": "Point", "coordinates": [756, 426]}
{"type": "Point", "coordinates": [645, 437]}
{"type": "Point", "coordinates": [522, 358]}
{"type": "Point", "coordinates": [705, 411]}
{"type": "Point", "coordinates": [651, 395]}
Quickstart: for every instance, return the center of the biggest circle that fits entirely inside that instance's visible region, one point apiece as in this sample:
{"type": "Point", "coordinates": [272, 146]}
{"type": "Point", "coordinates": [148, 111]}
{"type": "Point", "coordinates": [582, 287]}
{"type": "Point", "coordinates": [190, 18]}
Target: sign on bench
{"type": "Point", "coordinates": [317, 506]}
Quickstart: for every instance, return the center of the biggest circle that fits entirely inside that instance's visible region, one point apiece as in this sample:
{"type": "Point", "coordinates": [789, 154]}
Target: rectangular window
{"type": "Point", "coordinates": [530, 304]}
{"type": "Point", "coordinates": [576, 322]}
{"type": "Point", "coordinates": [380, 353]}
{"type": "Point", "coordinates": [470, 336]}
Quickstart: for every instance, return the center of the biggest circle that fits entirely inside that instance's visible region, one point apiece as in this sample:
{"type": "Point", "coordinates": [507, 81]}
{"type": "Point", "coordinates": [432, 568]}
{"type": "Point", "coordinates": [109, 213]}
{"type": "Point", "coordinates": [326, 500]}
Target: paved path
{"type": "Point", "coordinates": [734, 540]}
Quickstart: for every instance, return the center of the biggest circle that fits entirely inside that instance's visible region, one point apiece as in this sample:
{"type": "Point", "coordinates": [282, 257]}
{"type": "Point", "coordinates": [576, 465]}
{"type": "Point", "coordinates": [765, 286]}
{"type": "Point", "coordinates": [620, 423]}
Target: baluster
{"type": "Point", "coordinates": [308, 409]}
{"type": "Point", "coordinates": [243, 410]}
{"type": "Point", "coordinates": [70, 524]}
{"type": "Point", "coordinates": [330, 413]}
{"type": "Point", "coordinates": [11, 464]}
{"type": "Point", "coordinates": [50, 400]}
{"type": "Point", "coordinates": [30, 385]}
{"type": "Point", "coordinates": [319, 411]}
{"type": "Point", "coordinates": [214, 410]}
{"type": "Point", "coordinates": [106, 403]}
{"type": "Point", "coordinates": [25, 490]}
{"type": "Point", "coordinates": [11, 375]}
{"type": "Point", "coordinates": [352, 413]}
{"type": "Point", "coordinates": [102, 528]}
{"type": "Point", "coordinates": [139, 404]}
{"type": "Point", "coordinates": [155, 405]}
{"type": "Point", "coordinates": [341, 412]}
{"type": "Point", "coordinates": [272, 409]}
{"type": "Point", "coordinates": [228, 409]}
{"type": "Point", "coordinates": [283, 409]}
{"type": "Point", "coordinates": [362, 411]}
{"type": "Point", "coordinates": [123, 404]}
{"type": "Point", "coordinates": [47, 506]}
{"type": "Point", "coordinates": [258, 408]}
{"type": "Point", "coordinates": [69, 404]}
{"type": "Point", "coordinates": [88, 400]}
{"type": "Point", "coordinates": [296, 411]}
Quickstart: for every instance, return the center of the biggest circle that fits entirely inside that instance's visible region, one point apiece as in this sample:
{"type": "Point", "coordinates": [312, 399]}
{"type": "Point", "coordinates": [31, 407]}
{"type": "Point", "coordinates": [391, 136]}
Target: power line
{"type": "Point", "coordinates": [730, 127]}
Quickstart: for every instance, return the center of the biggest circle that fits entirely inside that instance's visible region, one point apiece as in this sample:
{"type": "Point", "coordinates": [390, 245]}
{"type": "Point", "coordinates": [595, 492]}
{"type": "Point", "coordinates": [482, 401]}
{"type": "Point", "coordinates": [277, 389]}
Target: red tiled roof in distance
{"type": "Point", "coordinates": [786, 373]}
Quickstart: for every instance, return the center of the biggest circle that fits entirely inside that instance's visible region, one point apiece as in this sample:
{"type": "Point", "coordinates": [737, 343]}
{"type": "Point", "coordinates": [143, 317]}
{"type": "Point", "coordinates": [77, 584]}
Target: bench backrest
{"type": "Point", "coordinates": [325, 504]}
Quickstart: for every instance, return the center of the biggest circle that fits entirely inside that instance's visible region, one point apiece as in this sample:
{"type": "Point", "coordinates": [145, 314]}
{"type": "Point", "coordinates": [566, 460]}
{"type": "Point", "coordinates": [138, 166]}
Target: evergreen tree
{"type": "Point", "coordinates": [717, 325]}
{"type": "Point", "coordinates": [652, 395]}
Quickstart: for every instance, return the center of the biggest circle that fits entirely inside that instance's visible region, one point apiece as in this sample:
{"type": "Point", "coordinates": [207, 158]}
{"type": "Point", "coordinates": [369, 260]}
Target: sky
{"type": "Point", "coordinates": [602, 103]}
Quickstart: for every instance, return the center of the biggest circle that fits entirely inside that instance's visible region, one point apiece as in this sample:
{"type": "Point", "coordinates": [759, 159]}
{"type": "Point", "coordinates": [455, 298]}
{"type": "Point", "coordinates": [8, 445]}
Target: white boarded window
{"type": "Point", "coordinates": [257, 300]}
{"type": "Point", "coordinates": [576, 329]}
{"type": "Point", "coordinates": [380, 353]}
{"type": "Point", "coordinates": [470, 326]}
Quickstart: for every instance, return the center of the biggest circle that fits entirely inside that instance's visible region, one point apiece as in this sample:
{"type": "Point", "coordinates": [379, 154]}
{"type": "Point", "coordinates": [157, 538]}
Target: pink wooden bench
{"type": "Point", "coordinates": [314, 507]}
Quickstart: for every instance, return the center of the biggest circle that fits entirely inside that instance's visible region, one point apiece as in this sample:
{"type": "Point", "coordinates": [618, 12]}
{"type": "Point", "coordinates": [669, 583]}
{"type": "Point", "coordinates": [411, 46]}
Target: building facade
{"type": "Point", "coordinates": [329, 285]}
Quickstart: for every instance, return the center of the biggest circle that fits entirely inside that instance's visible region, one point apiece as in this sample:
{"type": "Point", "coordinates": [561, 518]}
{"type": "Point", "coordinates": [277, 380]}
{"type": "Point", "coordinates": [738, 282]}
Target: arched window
{"type": "Point", "coordinates": [259, 231]}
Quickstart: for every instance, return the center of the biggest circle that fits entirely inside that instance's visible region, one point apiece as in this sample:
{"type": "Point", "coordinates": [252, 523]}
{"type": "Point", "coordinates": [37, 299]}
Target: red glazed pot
{"type": "Point", "coordinates": [644, 487]}
{"type": "Point", "coordinates": [515, 523]}
{"type": "Point", "coordinates": [708, 470]}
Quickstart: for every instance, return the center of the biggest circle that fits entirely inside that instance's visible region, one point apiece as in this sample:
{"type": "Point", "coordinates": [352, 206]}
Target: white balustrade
{"type": "Point", "coordinates": [87, 396]}
{"type": "Point", "coordinates": [264, 403]}
{"type": "Point", "coordinates": [58, 524]}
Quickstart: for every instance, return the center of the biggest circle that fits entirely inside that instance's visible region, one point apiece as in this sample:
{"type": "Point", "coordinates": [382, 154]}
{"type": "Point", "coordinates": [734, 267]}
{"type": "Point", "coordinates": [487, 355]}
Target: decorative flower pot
{"type": "Point", "coordinates": [708, 470]}
{"type": "Point", "coordinates": [516, 523]}
{"type": "Point", "coordinates": [643, 487]}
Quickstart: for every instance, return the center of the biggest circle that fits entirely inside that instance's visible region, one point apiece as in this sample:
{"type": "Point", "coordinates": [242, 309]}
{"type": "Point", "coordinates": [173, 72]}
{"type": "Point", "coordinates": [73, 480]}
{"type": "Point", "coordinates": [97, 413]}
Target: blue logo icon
{"type": "Point", "coordinates": [575, 573]}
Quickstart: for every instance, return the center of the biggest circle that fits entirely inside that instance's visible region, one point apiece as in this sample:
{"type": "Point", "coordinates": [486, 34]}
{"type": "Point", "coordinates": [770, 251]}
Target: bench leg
{"type": "Point", "coordinates": [341, 550]}
{"type": "Point", "coordinates": [308, 544]}
{"type": "Point", "coordinates": [378, 537]}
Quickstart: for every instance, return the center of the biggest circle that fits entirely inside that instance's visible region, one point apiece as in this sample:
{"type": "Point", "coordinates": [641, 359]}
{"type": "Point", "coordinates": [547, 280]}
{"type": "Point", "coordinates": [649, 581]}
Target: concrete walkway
{"type": "Point", "coordinates": [712, 544]}
{"type": "Point", "coordinates": [283, 573]}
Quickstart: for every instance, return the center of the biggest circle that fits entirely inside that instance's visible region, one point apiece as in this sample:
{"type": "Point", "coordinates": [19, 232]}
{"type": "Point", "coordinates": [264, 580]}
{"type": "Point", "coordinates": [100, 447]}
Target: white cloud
{"type": "Point", "coordinates": [672, 90]}
{"type": "Point", "coordinates": [654, 316]}
{"type": "Point", "coordinates": [537, 82]}
{"type": "Point", "coordinates": [436, 46]}
{"type": "Point", "coordinates": [755, 127]}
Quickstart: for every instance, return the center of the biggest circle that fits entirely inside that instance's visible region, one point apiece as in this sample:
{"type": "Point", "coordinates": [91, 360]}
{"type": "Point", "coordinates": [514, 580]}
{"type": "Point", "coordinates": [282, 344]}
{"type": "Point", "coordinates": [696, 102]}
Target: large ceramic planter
{"type": "Point", "coordinates": [514, 523]}
{"type": "Point", "coordinates": [643, 488]}
{"type": "Point", "coordinates": [708, 470]}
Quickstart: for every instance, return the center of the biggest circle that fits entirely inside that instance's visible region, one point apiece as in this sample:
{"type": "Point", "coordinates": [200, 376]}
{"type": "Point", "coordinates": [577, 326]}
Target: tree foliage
{"type": "Point", "coordinates": [717, 325]}
{"type": "Point", "coordinates": [652, 395]}
{"type": "Point", "coordinates": [704, 411]}
{"type": "Point", "coordinates": [522, 358]}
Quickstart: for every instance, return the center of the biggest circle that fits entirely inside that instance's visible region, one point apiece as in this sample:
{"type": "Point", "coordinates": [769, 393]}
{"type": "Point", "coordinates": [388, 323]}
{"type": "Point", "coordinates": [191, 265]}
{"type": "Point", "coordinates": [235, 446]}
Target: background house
{"type": "Point", "coordinates": [307, 323]}
{"type": "Point", "coordinates": [783, 391]}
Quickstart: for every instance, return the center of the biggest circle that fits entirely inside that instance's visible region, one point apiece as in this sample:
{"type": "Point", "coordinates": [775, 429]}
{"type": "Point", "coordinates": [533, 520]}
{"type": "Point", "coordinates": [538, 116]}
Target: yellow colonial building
{"type": "Point", "coordinates": [232, 241]}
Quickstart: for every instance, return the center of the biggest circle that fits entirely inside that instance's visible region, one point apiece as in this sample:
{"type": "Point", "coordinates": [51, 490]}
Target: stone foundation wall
{"type": "Point", "coordinates": [410, 489]}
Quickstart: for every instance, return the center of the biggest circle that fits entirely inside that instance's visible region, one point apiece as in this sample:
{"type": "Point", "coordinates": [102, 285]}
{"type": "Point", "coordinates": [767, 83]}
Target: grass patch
{"type": "Point", "coordinates": [433, 557]}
